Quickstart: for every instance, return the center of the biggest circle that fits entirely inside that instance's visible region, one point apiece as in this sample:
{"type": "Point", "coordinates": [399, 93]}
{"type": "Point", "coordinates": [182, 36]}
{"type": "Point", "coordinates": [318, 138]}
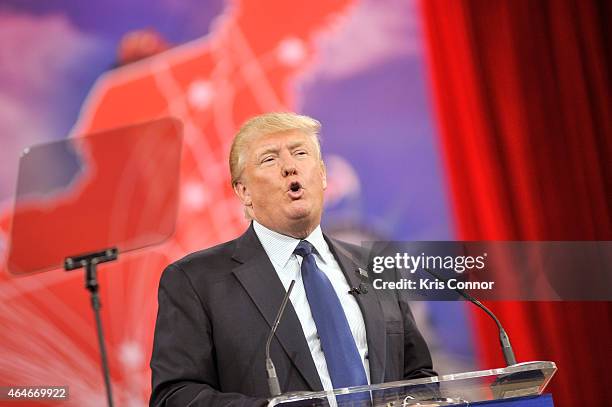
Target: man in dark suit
{"type": "Point", "coordinates": [216, 306]}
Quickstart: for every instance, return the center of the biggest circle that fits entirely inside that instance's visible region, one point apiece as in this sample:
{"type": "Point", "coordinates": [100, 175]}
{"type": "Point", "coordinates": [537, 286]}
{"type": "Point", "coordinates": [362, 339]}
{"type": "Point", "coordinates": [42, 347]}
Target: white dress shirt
{"type": "Point", "coordinates": [279, 249]}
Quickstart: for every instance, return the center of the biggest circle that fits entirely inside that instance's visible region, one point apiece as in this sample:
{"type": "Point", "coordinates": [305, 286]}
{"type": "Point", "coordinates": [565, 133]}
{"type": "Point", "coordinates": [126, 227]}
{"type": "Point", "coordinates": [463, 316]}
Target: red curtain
{"type": "Point", "coordinates": [522, 94]}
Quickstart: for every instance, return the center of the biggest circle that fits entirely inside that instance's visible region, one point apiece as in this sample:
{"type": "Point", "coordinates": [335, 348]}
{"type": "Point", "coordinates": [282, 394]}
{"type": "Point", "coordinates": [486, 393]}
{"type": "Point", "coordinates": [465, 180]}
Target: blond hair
{"type": "Point", "coordinates": [269, 123]}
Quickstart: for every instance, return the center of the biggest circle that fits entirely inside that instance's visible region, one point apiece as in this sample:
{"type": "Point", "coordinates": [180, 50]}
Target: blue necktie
{"type": "Point", "coordinates": [341, 354]}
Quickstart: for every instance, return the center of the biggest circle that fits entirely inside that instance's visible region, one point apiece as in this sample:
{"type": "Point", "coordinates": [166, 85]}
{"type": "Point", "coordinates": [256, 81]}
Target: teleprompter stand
{"type": "Point", "coordinates": [89, 262]}
{"type": "Point", "coordinates": [91, 197]}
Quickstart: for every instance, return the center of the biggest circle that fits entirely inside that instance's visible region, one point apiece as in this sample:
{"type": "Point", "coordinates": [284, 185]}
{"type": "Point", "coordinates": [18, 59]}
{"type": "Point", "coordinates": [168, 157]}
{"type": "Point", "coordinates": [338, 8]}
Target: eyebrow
{"type": "Point", "coordinates": [275, 148]}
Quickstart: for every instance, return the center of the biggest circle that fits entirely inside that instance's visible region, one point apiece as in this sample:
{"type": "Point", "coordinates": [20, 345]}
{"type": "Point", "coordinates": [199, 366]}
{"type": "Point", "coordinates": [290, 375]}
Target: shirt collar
{"type": "Point", "coordinates": [279, 247]}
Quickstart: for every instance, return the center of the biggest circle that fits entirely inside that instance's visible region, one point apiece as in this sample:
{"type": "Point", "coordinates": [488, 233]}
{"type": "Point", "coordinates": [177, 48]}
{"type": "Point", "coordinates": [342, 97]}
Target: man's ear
{"type": "Point", "coordinates": [243, 193]}
{"type": "Point", "coordinates": [324, 175]}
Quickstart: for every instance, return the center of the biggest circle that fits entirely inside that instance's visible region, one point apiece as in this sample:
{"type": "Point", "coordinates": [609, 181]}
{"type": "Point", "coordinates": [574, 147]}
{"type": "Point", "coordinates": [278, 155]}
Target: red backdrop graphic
{"type": "Point", "coordinates": [212, 85]}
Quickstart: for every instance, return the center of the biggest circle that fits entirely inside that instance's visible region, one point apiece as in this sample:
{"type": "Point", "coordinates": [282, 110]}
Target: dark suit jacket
{"type": "Point", "coordinates": [216, 308]}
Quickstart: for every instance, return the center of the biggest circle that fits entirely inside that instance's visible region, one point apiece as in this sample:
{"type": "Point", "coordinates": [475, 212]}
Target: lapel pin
{"type": "Point", "coordinates": [362, 273]}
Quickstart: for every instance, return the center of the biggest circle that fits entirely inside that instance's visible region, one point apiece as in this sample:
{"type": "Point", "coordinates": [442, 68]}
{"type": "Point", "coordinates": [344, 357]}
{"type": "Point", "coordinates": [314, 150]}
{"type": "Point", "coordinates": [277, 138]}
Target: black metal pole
{"type": "Point", "coordinates": [91, 283]}
{"type": "Point", "coordinates": [89, 262]}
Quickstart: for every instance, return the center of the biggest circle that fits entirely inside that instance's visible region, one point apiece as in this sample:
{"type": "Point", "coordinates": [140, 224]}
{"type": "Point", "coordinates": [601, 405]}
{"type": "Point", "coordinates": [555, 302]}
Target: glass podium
{"type": "Point", "coordinates": [458, 389]}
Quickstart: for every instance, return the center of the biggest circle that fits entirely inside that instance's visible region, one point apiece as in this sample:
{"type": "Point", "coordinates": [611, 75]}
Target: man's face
{"type": "Point", "coordinates": [282, 182]}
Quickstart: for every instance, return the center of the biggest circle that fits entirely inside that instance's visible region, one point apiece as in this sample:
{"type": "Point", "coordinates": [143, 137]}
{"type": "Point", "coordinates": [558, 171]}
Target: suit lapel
{"type": "Point", "coordinates": [258, 277]}
{"type": "Point", "coordinates": [370, 309]}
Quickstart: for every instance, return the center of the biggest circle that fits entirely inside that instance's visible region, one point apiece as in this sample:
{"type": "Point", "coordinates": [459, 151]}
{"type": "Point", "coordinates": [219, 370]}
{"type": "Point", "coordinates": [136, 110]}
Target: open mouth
{"type": "Point", "coordinates": [295, 186]}
{"type": "Point", "coordinates": [295, 190]}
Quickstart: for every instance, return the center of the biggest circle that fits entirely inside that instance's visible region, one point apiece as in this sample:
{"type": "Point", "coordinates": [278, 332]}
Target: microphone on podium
{"type": "Point", "coordinates": [273, 383]}
{"type": "Point", "coordinates": [504, 340]}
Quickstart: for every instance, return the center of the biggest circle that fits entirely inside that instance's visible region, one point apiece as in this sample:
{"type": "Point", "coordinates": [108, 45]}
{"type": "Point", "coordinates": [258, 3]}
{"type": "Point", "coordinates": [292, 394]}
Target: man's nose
{"type": "Point", "coordinates": [288, 168]}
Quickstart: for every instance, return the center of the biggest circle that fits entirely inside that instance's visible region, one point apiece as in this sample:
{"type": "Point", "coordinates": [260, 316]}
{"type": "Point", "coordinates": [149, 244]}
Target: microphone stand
{"type": "Point", "coordinates": [504, 340]}
{"type": "Point", "coordinates": [89, 262]}
{"type": "Point", "coordinates": [273, 383]}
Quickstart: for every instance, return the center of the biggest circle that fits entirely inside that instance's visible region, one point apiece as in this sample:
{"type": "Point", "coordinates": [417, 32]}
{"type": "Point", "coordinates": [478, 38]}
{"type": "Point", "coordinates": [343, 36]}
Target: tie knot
{"type": "Point", "coordinates": [304, 248]}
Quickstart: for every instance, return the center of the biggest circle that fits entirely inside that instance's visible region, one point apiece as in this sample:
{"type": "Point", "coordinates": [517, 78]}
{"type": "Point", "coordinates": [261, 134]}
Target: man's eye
{"type": "Point", "coordinates": [267, 159]}
{"type": "Point", "coordinates": [301, 152]}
